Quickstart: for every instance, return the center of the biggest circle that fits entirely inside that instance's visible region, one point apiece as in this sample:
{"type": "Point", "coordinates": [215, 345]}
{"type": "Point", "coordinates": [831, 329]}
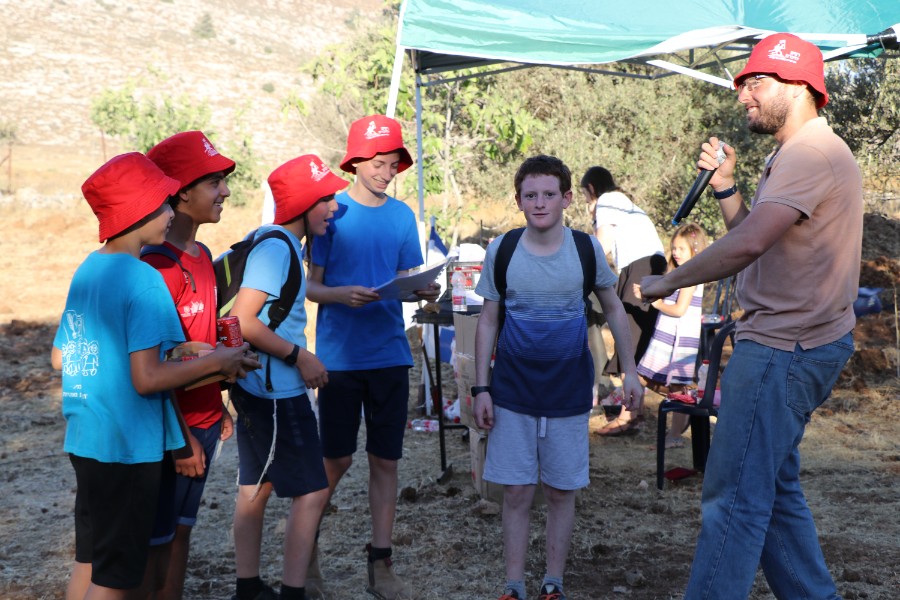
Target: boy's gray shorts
{"type": "Point", "coordinates": [521, 446]}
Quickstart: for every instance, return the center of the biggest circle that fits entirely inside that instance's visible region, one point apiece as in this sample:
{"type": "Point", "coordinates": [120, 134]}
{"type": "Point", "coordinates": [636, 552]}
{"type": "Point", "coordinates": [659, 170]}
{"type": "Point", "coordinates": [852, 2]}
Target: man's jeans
{"type": "Point", "coordinates": [754, 511]}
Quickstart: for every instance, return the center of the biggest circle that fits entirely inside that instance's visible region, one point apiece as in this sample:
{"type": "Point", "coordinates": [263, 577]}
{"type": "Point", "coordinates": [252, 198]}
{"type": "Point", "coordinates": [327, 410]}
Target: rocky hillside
{"type": "Point", "coordinates": [56, 55]}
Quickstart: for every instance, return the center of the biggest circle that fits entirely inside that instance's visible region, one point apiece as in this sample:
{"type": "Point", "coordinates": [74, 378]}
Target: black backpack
{"type": "Point", "coordinates": [170, 254]}
{"type": "Point", "coordinates": [508, 245]}
{"type": "Point", "coordinates": [229, 270]}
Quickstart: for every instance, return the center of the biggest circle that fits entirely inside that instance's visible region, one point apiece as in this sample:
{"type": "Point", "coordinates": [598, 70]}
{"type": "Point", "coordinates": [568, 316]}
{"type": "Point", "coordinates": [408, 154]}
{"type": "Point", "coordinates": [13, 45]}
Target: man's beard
{"type": "Point", "coordinates": [774, 116]}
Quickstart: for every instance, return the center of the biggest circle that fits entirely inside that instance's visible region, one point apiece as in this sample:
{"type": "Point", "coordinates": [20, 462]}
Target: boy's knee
{"type": "Point", "coordinates": [517, 497]}
{"type": "Point", "coordinates": [557, 496]}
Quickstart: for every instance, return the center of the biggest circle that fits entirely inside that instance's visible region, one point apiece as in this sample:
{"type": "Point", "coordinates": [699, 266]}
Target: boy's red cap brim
{"type": "Point", "coordinates": [299, 183]}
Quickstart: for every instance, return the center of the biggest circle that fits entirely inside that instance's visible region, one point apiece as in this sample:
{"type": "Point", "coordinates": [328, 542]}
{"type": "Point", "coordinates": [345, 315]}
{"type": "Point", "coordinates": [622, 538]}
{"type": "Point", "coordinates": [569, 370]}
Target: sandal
{"type": "Point", "coordinates": [617, 428]}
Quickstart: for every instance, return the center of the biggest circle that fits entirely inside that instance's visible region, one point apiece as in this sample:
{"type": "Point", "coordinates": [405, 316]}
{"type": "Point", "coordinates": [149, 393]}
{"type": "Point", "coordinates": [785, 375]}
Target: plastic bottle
{"type": "Point", "coordinates": [424, 425]}
{"type": "Point", "coordinates": [458, 282]}
{"type": "Point", "coordinates": [702, 372]}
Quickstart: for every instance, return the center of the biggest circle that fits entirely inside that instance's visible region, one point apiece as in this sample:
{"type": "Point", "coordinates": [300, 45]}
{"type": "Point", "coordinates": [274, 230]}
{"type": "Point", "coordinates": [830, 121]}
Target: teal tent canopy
{"type": "Point", "coordinates": [674, 37]}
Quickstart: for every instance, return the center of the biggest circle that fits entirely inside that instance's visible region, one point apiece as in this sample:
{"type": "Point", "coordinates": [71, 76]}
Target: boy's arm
{"type": "Point", "coordinates": [56, 358]}
{"type": "Point", "coordinates": [351, 295]}
{"type": "Point", "coordinates": [485, 339]}
{"type": "Point", "coordinates": [150, 375]}
{"type": "Point", "coordinates": [632, 390]}
{"type": "Point", "coordinates": [247, 305]}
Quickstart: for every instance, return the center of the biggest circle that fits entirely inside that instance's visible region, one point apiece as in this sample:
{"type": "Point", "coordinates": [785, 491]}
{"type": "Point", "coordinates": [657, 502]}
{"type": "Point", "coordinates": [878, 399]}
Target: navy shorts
{"type": "Point", "coordinates": [115, 505]}
{"type": "Point", "coordinates": [297, 468]}
{"type": "Point", "coordinates": [381, 394]}
{"type": "Point", "coordinates": [179, 496]}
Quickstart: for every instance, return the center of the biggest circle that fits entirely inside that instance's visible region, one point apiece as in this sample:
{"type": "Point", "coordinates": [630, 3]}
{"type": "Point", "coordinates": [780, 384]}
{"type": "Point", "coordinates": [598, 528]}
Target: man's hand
{"type": "Point", "coordinates": [724, 173]}
{"type": "Point", "coordinates": [654, 287]}
{"type": "Point", "coordinates": [227, 425]}
{"type": "Point", "coordinates": [196, 464]}
{"type": "Point", "coordinates": [632, 393]}
{"type": "Point", "coordinates": [483, 408]}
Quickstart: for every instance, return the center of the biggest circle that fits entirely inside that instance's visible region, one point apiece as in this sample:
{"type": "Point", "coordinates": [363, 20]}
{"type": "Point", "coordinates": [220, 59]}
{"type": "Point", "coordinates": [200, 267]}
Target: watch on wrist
{"type": "Point", "coordinates": [477, 389]}
{"type": "Point", "coordinates": [725, 193]}
{"type": "Point", "coordinates": [291, 359]}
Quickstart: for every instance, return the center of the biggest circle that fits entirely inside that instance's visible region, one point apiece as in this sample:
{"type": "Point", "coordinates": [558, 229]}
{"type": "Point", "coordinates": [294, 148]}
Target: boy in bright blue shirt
{"type": "Point", "coordinates": [117, 325]}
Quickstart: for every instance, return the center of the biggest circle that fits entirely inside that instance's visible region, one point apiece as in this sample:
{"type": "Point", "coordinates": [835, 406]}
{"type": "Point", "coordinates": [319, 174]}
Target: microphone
{"type": "Point", "coordinates": [703, 177]}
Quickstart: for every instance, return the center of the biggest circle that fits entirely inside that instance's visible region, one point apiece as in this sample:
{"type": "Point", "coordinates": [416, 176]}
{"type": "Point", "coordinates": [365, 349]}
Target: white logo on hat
{"type": "Point", "coordinates": [372, 133]}
{"type": "Point", "coordinates": [776, 53]}
{"type": "Point", "coordinates": [208, 148]}
{"type": "Point", "coordinates": [317, 172]}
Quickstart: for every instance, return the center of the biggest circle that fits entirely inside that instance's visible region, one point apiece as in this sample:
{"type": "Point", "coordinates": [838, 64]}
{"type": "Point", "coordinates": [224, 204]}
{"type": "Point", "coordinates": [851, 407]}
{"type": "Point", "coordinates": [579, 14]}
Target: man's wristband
{"type": "Point", "coordinates": [725, 193]}
{"type": "Point", "coordinates": [477, 389]}
{"type": "Point", "coordinates": [291, 359]}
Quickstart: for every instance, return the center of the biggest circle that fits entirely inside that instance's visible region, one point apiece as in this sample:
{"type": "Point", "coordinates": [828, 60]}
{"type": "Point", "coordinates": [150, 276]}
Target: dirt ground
{"type": "Point", "coordinates": [631, 541]}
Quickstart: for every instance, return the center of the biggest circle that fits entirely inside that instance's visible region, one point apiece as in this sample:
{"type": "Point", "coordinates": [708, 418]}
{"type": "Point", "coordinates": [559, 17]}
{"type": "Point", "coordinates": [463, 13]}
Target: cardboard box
{"type": "Point", "coordinates": [464, 328]}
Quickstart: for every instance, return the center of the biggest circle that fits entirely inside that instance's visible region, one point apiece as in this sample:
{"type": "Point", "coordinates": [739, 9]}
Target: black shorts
{"type": "Point", "coordinates": [381, 394]}
{"type": "Point", "coordinates": [115, 505]}
{"type": "Point", "coordinates": [297, 468]}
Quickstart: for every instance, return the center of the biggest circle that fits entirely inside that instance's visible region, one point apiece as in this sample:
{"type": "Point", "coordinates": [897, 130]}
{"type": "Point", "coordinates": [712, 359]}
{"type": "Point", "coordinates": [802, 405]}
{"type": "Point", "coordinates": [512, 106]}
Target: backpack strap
{"type": "Point", "coordinates": [280, 308]}
{"type": "Point", "coordinates": [588, 262]}
{"type": "Point", "coordinates": [170, 254]}
{"type": "Point", "coordinates": [501, 264]}
{"type": "Point", "coordinates": [508, 244]}
{"type": "Point", "coordinates": [205, 248]}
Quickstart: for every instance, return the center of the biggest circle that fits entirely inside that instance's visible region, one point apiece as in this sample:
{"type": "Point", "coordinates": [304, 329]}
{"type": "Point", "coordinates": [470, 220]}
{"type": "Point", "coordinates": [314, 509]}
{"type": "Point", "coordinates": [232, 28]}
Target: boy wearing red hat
{"type": "Point", "coordinates": [361, 338]}
{"type": "Point", "coordinates": [189, 158]}
{"type": "Point", "coordinates": [277, 433]}
{"type": "Point", "coordinates": [797, 251]}
{"type": "Point", "coordinates": [110, 345]}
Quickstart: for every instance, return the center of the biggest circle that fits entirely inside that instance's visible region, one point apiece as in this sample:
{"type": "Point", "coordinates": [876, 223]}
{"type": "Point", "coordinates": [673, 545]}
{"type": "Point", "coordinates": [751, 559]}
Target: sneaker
{"type": "Point", "coordinates": [315, 583]}
{"type": "Point", "coordinates": [384, 583]}
{"type": "Point", "coordinates": [509, 595]}
{"type": "Point", "coordinates": [551, 592]}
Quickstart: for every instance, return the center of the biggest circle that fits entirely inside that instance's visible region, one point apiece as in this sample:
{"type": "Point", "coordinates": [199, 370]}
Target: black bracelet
{"type": "Point", "coordinates": [725, 193]}
{"type": "Point", "coordinates": [477, 389]}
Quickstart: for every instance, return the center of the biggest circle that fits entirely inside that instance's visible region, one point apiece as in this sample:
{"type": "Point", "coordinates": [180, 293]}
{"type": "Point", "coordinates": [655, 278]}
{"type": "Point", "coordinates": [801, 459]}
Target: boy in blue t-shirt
{"type": "Point", "coordinates": [117, 324]}
{"type": "Point", "coordinates": [360, 337]}
{"type": "Point", "coordinates": [278, 441]}
{"type": "Point", "coordinates": [537, 401]}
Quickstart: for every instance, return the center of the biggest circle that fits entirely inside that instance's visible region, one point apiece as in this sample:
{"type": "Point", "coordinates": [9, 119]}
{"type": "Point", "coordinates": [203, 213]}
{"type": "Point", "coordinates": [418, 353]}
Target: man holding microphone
{"type": "Point", "coordinates": [797, 251]}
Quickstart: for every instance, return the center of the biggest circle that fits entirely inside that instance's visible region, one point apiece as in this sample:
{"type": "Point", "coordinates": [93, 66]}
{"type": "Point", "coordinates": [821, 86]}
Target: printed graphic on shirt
{"type": "Point", "coordinates": [81, 356]}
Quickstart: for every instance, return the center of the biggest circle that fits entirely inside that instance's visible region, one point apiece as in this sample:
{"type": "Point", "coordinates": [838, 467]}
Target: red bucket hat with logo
{"type": "Point", "coordinates": [791, 59]}
{"type": "Point", "coordinates": [299, 183]}
{"type": "Point", "coordinates": [126, 189]}
{"type": "Point", "coordinates": [375, 134]}
{"type": "Point", "coordinates": [188, 156]}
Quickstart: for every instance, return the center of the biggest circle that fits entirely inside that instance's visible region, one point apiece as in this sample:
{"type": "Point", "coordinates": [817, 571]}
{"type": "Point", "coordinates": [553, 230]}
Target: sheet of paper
{"type": "Point", "coordinates": [403, 286]}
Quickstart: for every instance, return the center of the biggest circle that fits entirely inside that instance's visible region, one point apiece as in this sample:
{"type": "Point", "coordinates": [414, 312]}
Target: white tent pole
{"type": "Point", "coordinates": [395, 82]}
{"type": "Point", "coordinates": [420, 169]}
{"type": "Point", "coordinates": [664, 64]}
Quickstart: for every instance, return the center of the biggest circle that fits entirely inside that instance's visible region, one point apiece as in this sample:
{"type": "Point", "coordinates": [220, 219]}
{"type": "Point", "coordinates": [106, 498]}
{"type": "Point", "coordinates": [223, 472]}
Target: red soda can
{"type": "Point", "coordinates": [228, 331]}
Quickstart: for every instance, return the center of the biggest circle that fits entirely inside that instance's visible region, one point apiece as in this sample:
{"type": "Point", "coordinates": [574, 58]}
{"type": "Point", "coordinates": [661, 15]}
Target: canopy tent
{"type": "Point", "coordinates": [685, 37]}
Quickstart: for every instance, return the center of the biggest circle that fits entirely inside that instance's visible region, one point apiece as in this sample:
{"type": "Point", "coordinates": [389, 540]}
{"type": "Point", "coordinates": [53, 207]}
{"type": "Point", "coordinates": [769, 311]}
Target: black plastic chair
{"type": "Point", "coordinates": [715, 319]}
{"type": "Point", "coordinates": [699, 413]}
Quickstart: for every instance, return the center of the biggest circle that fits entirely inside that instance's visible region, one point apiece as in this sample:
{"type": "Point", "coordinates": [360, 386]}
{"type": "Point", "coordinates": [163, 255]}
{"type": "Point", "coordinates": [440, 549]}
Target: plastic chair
{"type": "Point", "coordinates": [699, 413]}
{"type": "Point", "coordinates": [714, 320]}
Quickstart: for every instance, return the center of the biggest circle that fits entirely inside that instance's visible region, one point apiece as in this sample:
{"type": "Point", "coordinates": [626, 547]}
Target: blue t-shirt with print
{"type": "Point", "coordinates": [365, 246]}
{"type": "Point", "coordinates": [266, 270]}
{"type": "Point", "coordinates": [116, 305]}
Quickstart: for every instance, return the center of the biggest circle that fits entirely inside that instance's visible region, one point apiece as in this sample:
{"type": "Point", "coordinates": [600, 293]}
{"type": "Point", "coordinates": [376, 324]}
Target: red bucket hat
{"type": "Point", "coordinates": [375, 134]}
{"type": "Point", "coordinates": [299, 183]}
{"type": "Point", "coordinates": [791, 59]}
{"type": "Point", "coordinates": [126, 189]}
{"type": "Point", "coordinates": [188, 156]}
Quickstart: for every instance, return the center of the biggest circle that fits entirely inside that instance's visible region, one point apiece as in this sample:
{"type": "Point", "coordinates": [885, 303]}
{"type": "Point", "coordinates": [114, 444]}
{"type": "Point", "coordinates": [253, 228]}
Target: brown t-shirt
{"type": "Point", "coordinates": [802, 289]}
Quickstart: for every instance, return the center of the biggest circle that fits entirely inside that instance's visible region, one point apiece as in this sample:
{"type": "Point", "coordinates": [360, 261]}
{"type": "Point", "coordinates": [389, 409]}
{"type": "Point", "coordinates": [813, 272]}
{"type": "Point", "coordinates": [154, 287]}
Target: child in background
{"type": "Point", "coordinates": [671, 355]}
{"type": "Point", "coordinates": [110, 345]}
{"type": "Point", "coordinates": [190, 159]}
